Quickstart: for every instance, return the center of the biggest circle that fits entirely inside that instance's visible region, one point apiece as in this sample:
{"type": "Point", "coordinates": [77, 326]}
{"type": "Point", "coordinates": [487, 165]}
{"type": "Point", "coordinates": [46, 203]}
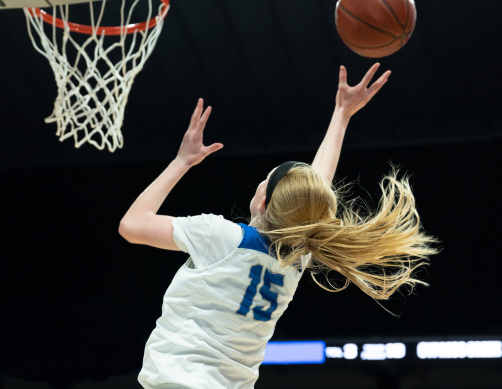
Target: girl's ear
{"type": "Point", "coordinates": [261, 205]}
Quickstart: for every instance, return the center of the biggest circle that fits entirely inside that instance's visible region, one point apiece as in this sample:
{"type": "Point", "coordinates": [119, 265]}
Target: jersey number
{"type": "Point", "coordinates": [265, 291]}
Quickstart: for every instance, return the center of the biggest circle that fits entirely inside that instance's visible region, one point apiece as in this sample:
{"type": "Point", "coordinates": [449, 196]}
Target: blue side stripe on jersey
{"type": "Point", "coordinates": [253, 240]}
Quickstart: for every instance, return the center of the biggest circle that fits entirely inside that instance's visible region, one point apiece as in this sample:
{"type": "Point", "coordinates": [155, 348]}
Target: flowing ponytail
{"type": "Point", "coordinates": [378, 251]}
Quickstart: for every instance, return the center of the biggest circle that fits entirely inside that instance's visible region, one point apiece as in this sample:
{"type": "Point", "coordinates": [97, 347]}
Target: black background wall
{"type": "Point", "coordinates": [77, 298]}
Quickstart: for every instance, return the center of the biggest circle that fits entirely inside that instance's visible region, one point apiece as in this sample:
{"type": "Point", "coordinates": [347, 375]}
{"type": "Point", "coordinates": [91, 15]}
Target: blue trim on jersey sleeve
{"type": "Point", "coordinates": [253, 240]}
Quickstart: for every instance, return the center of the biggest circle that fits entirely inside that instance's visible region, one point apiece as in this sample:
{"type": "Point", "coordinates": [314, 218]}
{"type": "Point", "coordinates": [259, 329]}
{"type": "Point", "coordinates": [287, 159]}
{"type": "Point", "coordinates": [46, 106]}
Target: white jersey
{"type": "Point", "coordinates": [217, 319]}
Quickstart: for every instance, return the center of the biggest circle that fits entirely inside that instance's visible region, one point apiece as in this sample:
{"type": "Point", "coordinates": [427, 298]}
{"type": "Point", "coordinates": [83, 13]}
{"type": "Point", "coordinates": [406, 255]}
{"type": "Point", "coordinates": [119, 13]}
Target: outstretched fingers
{"type": "Point", "coordinates": [369, 75]}
{"type": "Point", "coordinates": [204, 118]}
{"type": "Point", "coordinates": [200, 117]}
{"type": "Point", "coordinates": [214, 147]}
{"type": "Point", "coordinates": [377, 85]}
{"type": "Point", "coordinates": [197, 112]}
{"type": "Point", "coordinates": [343, 76]}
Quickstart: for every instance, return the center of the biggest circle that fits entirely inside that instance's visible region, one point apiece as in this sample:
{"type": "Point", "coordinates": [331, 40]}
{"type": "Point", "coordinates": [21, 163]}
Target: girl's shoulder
{"type": "Point", "coordinates": [253, 240]}
{"type": "Point", "coordinates": [207, 238]}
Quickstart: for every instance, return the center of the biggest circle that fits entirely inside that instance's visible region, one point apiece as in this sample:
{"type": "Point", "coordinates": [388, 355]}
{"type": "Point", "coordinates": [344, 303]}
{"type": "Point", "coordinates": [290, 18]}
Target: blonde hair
{"type": "Point", "coordinates": [377, 251]}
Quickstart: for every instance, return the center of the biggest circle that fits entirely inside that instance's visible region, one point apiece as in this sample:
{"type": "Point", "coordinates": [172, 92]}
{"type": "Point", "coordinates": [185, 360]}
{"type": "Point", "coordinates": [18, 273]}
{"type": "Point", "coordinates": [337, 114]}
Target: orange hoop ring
{"type": "Point", "coordinates": [89, 30]}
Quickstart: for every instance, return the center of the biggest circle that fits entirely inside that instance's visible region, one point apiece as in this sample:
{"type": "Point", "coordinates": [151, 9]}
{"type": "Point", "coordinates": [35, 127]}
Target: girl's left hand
{"type": "Point", "coordinates": [192, 150]}
{"type": "Point", "coordinates": [352, 99]}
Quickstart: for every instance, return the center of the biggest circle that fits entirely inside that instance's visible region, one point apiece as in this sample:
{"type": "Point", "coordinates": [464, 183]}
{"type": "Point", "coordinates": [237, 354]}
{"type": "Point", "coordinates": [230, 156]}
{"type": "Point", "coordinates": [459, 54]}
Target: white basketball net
{"type": "Point", "coordinates": [92, 90]}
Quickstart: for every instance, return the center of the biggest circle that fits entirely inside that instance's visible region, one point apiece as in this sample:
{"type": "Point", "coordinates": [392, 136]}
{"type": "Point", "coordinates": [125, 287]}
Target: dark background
{"type": "Point", "coordinates": [78, 299]}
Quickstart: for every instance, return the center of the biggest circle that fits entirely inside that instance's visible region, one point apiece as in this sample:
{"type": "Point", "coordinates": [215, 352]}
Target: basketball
{"type": "Point", "coordinates": [375, 28]}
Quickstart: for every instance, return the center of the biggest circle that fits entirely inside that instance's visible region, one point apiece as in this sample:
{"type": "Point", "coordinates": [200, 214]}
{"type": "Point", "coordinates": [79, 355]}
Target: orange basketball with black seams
{"type": "Point", "coordinates": [375, 28]}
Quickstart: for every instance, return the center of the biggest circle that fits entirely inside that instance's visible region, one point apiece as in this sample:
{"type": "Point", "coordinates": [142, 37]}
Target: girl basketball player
{"type": "Point", "coordinates": [223, 304]}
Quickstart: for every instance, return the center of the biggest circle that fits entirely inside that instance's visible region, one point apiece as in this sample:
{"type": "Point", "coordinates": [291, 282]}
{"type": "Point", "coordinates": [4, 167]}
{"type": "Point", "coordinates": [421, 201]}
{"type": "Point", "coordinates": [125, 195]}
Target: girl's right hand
{"type": "Point", "coordinates": [351, 99]}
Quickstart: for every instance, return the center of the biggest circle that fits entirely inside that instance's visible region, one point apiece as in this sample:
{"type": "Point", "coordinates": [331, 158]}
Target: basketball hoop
{"type": "Point", "coordinates": [92, 89]}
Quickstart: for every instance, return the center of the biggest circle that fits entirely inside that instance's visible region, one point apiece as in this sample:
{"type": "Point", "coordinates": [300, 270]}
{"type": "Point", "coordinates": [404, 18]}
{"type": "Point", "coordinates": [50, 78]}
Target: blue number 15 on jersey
{"type": "Point", "coordinates": [265, 291]}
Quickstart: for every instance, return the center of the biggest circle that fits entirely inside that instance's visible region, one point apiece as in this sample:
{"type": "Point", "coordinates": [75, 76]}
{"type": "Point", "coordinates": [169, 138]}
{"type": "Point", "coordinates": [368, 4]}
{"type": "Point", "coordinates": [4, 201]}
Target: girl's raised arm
{"type": "Point", "coordinates": [349, 100]}
{"type": "Point", "coordinates": [141, 224]}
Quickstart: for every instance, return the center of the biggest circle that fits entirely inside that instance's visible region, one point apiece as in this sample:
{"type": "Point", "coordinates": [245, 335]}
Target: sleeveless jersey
{"type": "Point", "coordinates": [216, 321]}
